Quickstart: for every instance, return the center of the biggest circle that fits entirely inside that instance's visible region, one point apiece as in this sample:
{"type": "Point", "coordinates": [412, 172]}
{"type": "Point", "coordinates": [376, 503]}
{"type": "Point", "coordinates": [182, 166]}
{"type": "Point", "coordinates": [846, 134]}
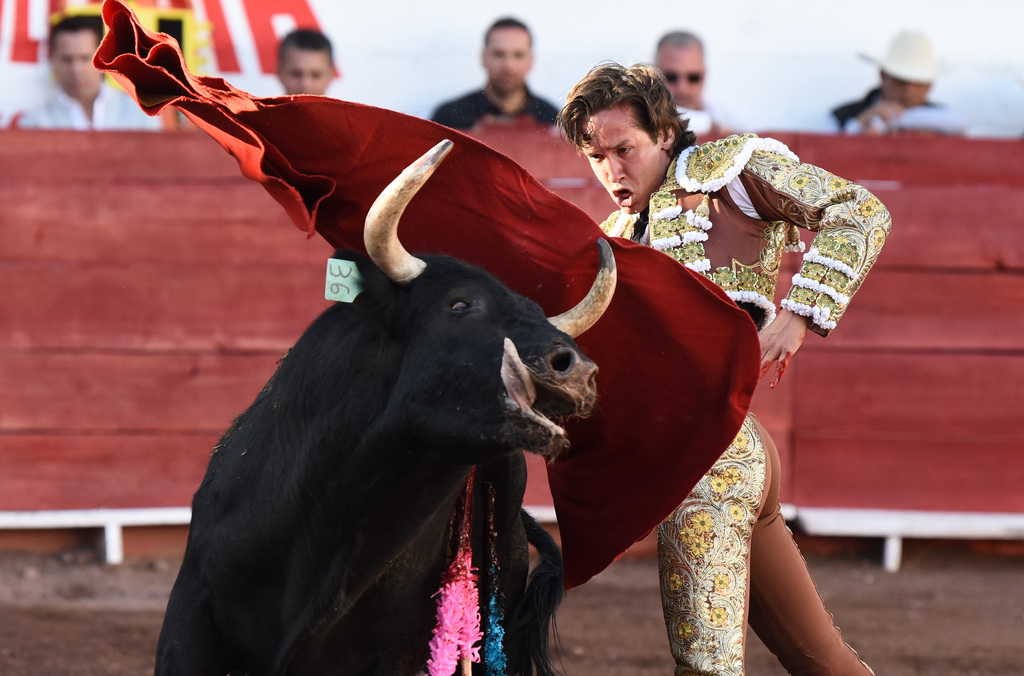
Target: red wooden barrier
{"type": "Point", "coordinates": [148, 291]}
{"type": "Point", "coordinates": [75, 470]}
{"type": "Point", "coordinates": [912, 160]}
{"type": "Point", "coordinates": [935, 338]}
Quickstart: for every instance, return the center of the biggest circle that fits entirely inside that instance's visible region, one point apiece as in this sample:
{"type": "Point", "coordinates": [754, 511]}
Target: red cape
{"type": "Point", "coordinates": [678, 360]}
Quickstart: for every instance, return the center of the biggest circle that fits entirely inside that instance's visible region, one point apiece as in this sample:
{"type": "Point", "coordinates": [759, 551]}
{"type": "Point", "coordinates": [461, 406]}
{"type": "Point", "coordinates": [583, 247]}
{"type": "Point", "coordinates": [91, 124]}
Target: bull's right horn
{"type": "Point", "coordinates": [583, 316]}
{"type": "Point", "coordinates": [380, 234]}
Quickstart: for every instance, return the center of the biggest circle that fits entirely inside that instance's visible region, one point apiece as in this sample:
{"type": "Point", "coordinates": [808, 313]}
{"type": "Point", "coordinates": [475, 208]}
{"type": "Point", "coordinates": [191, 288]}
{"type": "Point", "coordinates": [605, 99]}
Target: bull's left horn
{"type": "Point", "coordinates": [583, 316]}
{"type": "Point", "coordinates": [380, 234]}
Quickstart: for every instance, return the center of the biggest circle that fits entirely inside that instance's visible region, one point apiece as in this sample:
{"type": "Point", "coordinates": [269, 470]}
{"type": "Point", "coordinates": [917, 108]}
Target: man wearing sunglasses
{"type": "Point", "coordinates": [680, 58]}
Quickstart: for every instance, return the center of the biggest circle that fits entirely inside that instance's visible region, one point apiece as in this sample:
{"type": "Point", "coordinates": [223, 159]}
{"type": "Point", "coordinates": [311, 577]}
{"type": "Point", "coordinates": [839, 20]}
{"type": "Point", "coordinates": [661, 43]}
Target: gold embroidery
{"type": "Point", "coordinates": [850, 222]}
{"type": "Point", "coordinates": [851, 226]}
{"type": "Point", "coordinates": [793, 238]}
{"type": "Point", "coordinates": [689, 249]}
{"type": "Point", "coordinates": [662, 199]}
{"type": "Point", "coordinates": [746, 278]}
{"type": "Point", "coordinates": [712, 160]}
{"type": "Point", "coordinates": [670, 184]}
{"type": "Point", "coordinates": [775, 237]}
{"type": "Point", "coordinates": [611, 225]}
{"type": "Point", "coordinates": [702, 559]}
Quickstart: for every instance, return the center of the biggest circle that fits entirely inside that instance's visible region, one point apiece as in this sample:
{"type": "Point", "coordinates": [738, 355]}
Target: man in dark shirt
{"type": "Point", "coordinates": [507, 58]}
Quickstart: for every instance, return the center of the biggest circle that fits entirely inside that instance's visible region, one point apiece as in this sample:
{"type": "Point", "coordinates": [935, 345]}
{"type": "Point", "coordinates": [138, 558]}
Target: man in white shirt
{"type": "Point", "coordinates": [81, 101]}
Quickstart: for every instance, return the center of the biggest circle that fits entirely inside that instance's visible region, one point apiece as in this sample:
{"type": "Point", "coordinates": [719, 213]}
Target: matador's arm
{"type": "Point", "coordinates": [851, 226]}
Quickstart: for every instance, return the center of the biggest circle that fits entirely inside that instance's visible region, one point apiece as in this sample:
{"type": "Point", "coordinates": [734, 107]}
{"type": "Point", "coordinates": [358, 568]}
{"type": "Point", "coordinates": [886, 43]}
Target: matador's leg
{"type": "Point", "coordinates": [785, 609]}
{"type": "Point", "coordinates": [703, 552]}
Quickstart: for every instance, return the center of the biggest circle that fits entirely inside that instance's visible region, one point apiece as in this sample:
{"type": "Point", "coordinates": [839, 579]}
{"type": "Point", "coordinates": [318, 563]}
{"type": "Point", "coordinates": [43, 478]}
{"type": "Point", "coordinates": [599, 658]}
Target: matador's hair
{"type": "Point", "coordinates": [640, 87]}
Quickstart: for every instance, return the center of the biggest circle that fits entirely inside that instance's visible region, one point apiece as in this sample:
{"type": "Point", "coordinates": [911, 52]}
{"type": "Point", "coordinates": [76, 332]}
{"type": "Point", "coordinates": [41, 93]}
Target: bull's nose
{"type": "Point", "coordinates": [563, 360]}
{"type": "Point", "coordinates": [569, 363]}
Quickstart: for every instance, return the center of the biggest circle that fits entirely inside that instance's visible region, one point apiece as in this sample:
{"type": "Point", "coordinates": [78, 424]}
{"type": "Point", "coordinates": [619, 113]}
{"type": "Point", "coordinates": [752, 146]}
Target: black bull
{"type": "Point", "coordinates": [321, 531]}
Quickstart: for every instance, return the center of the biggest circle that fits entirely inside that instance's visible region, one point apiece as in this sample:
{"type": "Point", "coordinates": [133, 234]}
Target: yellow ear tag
{"type": "Point", "coordinates": [344, 282]}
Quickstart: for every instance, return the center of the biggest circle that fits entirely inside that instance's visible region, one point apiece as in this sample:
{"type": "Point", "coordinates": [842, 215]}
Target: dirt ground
{"type": "Point", "coordinates": [952, 609]}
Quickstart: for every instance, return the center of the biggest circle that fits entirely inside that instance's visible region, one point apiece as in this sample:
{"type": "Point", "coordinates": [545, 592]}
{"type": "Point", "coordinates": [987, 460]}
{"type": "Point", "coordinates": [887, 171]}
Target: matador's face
{"type": "Point", "coordinates": [626, 160]}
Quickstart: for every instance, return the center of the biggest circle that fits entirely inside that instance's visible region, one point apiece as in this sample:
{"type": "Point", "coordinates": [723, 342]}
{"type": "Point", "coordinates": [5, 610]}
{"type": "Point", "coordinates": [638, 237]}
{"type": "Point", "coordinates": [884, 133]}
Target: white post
{"type": "Point", "coordinates": [114, 543]}
{"type": "Point", "coordinates": [893, 553]}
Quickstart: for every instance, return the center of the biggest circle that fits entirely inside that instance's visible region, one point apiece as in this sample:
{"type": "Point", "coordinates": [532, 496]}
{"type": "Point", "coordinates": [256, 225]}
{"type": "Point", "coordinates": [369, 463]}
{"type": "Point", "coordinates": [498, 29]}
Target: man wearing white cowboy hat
{"type": "Point", "coordinates": [899, 103]}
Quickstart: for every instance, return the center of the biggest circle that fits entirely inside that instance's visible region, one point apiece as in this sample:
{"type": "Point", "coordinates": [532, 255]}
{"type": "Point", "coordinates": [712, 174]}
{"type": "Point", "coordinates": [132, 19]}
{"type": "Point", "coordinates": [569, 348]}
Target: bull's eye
{"type": "Point", "coordinates": [460, 306]}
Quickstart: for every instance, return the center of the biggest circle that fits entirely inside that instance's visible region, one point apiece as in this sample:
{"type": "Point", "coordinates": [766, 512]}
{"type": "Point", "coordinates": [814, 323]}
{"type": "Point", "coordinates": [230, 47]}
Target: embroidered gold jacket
{"type": "Point", "coordinates": [756, 193]}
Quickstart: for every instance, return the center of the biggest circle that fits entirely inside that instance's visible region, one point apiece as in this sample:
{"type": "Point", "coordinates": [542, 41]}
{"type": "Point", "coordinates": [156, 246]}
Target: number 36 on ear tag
{"type": "Point", "coordinates": [344, 282]}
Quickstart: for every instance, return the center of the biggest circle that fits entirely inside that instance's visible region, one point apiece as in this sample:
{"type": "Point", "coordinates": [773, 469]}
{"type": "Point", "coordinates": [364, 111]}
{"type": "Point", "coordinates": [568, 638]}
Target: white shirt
{"type": "Point", "coordinates": [700, 121]}
{"type": "Point", "coordinates": [112, 109]}
{"type": "Point", "coordinates": [938, 119]}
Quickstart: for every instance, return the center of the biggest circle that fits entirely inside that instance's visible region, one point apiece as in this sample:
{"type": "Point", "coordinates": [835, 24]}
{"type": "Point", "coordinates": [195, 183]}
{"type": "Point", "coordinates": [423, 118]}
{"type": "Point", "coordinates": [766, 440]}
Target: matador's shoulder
{"type": "Point", "coordinates": [710, 166]}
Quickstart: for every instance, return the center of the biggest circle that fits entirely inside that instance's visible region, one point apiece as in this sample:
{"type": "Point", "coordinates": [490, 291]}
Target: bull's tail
{"type": "Point", "coordinates": [534, 617]}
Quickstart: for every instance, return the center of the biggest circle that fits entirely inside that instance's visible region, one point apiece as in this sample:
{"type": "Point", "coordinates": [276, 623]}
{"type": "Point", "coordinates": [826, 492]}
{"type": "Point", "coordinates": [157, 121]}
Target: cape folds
{"type": "Point", "coordinates": [678, 361]}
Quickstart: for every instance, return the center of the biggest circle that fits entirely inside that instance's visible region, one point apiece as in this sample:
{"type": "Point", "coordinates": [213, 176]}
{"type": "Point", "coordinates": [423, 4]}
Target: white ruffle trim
{"type": "Point", "coordinates": [667, 214]}
{"type": "Point", "coordinates": [818, 287]}
{"type": "Point", "coordinates": [818, 315]}
{"type": "Point", "coordinates": [740, 161]}
{"type": "Point", "coordinates": [700, 265]}
{"type": "Point", "coordinates": [697, 221]}
{"type": "Point", "coordinates": [670, 242]}
{"type": "Point", "coordinates": [674, 241]}
{"type": "Point", "coordinates": [700, 226]}
{"type": "Point", "coordinates": [621, 222]}
{"type": "Point", "coordinates": [814, 256]}
{"type": "Point", "coordinates": [757, 299]}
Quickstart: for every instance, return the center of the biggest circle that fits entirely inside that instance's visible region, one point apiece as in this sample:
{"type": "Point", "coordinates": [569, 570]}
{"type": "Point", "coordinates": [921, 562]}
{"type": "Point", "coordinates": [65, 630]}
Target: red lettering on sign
{"type": "Point", "coordinates": [23, 48]}
{"type": "Point", "coordinates": [220, 36]}
{"type": "Point", "coordinates": [263, 35]}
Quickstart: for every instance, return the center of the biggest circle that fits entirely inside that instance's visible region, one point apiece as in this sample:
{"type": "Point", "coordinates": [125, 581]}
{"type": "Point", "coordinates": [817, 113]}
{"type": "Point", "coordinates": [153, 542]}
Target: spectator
{"type": "Point", "coordinates": [680, 58]}
{"type": "Point", "coordinates": [81, 100]}
{"type": "Point", "coordinates": [305, 62]}
{"type": "Point", "coordinates": [900, 103]}
{"type": "Point", "coordinates": [507, 58]}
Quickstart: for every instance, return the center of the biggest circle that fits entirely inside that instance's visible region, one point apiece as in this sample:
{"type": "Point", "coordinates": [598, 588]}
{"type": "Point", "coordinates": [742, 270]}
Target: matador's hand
{"type": "Point", "coordinates": [779, 342]}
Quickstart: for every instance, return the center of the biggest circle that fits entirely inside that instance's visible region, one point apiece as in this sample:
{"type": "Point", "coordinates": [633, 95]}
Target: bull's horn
{"type": "Point", "coordinates": [583, 316]}
{"type": "Point", "coordinates": [380, 235]}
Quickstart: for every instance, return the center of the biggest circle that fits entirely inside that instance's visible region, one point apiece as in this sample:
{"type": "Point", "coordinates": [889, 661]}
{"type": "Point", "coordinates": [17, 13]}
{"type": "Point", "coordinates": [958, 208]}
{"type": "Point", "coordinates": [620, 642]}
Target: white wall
{"type": "Point", "coordinates": [780, 65]}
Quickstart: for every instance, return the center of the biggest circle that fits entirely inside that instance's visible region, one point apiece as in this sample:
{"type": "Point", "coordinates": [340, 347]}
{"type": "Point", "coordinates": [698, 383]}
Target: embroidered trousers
{"type": "Point", "coordinates": [726, 559]}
